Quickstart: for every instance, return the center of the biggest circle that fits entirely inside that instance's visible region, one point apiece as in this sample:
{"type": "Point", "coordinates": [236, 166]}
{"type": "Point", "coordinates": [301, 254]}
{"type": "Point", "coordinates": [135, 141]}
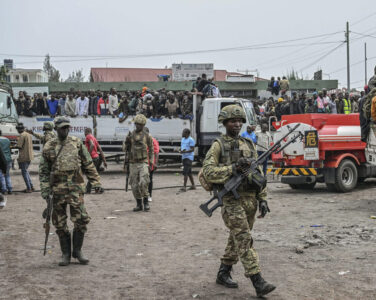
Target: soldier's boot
{"type": "Point", "coordinates": [65, 245]}
{"type": "Point", "coordinates": [261, 286]}
{"type": "Point", "coordinates": [224, 277]}
{"type": "Point", "coordinates": [78, 239]}
{"type": "Point", "coordinates": [139, 205]}
{"type": "Point", "coordinates": [146, 204]}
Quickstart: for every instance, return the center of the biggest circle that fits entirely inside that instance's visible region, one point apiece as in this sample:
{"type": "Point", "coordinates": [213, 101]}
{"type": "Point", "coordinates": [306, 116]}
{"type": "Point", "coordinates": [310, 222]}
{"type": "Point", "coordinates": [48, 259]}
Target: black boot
{"type": "Point", "coordinates": [139, 205]}
{"type": "Point", "coordinates": [78, 239]}
{"type": "Point", "coordinates": [146, 204]}
{"type": "Point", "coordinates": [224, 277]}
{"type": "Point", "coordinates": [65, 245]}
{"type": "Point", "coordinates": [261, 286]}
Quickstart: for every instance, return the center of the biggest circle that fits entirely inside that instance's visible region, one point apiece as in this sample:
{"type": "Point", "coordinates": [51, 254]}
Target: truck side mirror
{"type": "Point", "coordinates": [9, 102]}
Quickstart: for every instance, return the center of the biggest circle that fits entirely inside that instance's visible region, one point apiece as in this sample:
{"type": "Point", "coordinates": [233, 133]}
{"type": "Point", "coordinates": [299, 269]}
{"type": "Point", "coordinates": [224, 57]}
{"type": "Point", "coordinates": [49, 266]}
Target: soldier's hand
{"type": "Point", "coordinates": [263, 208]}
{"type": "Point", "coordinates": [242, 164]}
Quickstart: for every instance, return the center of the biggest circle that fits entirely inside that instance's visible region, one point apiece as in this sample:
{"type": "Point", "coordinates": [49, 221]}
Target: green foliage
{"type": "Point", "coordinates": [53, 73]}
{"type": "Point", "coordinates": [76, 76]}
{"type": "Point", "coordinates": [293, 75]}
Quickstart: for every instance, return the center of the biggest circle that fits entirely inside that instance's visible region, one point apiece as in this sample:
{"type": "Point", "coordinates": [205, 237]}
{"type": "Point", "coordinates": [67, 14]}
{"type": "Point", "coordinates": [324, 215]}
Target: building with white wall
{"type": "Point", "coordinates": [26, 76]}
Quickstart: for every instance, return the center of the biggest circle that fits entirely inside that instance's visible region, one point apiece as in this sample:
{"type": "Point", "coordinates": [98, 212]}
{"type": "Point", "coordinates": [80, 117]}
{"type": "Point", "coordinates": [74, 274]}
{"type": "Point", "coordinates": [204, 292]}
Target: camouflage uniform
{"type": "Point", "coordinates": [67, 183]}
{"type": "Point", "coordinates": [139, 150]}
{"type": "Point", "coordinates": [226, 156]}
{"type": "Point", "coordinates": [48, 128]}
{"type": "Point", "coordinates": [238, 215]}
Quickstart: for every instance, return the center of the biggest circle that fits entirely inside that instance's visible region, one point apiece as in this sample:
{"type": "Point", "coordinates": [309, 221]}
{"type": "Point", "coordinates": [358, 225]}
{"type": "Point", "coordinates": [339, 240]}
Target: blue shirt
{"type": "Point", "coordinates": [5, 147]}
{"type": "Point", "coordinates": [187, 144]}
{"type": "Point", "coordinates": [251, 136]}
{"type": "Point", "coordinates": [52, 106]}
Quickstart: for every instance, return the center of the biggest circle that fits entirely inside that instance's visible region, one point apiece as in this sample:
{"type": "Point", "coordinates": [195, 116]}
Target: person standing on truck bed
{"type": "Point", "coordinates": [82, 106]}
{"type": "Point", "coordinates": [228, 154]}
{"type": "Point", "coordinates": [139, 159]}
{"type": "Point", "coordinates": [203, 82]}
{"type": "Point", "coordinates": [48, 129]}
{"type": "Point", "coordinates": [25, 156]}
{"type": "Point", "coordinates": [70, 106]}
{"type": "Point", "coordinates": [113, 103]}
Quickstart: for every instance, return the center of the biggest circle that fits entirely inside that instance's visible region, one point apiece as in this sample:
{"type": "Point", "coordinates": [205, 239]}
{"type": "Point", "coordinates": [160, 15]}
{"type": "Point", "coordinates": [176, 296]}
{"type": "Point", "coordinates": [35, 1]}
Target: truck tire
{"type": "Point", "coordinates": [304, 186]}
{"type": "Point", "coordinates": [346, 177]}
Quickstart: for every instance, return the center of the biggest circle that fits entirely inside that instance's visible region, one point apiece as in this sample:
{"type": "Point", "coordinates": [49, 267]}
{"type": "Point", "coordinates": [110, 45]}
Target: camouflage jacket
{"type": "Point", "coordinates": [218, 173]}
{"type": "Point", "coordinates": [65, 174]}
{"type": "Point", "coordinates": [44, 138]}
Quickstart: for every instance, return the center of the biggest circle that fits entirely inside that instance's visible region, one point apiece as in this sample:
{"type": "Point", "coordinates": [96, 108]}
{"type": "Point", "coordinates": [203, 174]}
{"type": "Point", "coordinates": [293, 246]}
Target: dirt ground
{"type": "Point", "coordinates": [173, 251]}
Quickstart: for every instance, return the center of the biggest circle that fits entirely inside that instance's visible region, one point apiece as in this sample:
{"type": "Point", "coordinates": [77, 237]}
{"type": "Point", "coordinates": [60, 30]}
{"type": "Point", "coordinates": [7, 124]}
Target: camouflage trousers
{"type": "Point", "coordinates": [139, 179]}
{"type": "Point", "coordinates": [78, 214]}
{"type": "Point", "coordinates": [239, 216]}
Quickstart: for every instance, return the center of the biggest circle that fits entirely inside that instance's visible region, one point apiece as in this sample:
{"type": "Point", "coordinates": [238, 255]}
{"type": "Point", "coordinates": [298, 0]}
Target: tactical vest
{"type": "Point", "coordinates": [346, 106]}
{"type": "Point", "coordinates": [232, 151]}
{"type": "Point", "coordinates": [69, 160]}
{"type": "Point", "coordinates": [139, 150]}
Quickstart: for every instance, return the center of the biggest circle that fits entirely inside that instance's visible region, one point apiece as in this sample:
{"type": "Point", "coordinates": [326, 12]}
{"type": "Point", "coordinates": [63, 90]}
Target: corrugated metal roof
{"type": "Point", "coordinates": [127, 74]}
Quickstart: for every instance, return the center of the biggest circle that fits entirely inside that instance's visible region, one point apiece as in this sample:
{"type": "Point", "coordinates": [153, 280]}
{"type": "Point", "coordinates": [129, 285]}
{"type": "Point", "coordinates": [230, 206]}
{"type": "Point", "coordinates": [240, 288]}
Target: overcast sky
{"type": "Point", "coordinates": [121, 28]}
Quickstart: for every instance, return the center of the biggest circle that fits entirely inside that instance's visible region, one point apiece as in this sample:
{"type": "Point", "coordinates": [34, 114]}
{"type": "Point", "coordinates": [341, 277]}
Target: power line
{"type": "Point", "coordinates": [363, 19]}
{"type": "Point", "coordinates": [364, 35]}
{"type": "Point", "coordinates": [178, 53]}
{"type": "Point", "coordinates": [322, 57]}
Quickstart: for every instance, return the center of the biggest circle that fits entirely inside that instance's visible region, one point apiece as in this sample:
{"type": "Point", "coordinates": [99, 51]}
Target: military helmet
{"type": "Point", "coordinates": [48, 125]}
{"type": "Point", "coordinates": [232, 111]}
{"type": "Point", "coordinates": [61, 122]}
{"type": "Point", "coordinates": [140, 119]}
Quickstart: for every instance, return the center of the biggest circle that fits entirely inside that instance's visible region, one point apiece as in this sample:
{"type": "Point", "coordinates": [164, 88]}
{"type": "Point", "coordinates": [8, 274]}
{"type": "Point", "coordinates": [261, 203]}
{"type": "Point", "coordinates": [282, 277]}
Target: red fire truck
{"type": "Point", "coordinates": [329, 150]}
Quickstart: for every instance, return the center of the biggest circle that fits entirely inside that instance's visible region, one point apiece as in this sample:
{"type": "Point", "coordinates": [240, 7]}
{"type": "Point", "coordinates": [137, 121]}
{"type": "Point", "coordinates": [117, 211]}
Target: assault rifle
{"type": "Point", "coordinates": [257, 179]}
{"type": "Point", "coordinates": [46, 225]}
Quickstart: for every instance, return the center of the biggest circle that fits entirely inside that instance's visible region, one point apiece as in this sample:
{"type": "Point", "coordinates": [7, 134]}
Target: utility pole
{"type": "Point", "coordinates": [348, 55]}
{"type": "Point", "coordinates": [365, 63]}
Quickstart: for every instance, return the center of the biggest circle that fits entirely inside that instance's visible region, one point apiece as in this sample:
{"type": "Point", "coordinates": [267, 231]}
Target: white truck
{"type": "Point", "coordinates": [110, 133]}
{"type": "Point", "coordinates": [8, 116]}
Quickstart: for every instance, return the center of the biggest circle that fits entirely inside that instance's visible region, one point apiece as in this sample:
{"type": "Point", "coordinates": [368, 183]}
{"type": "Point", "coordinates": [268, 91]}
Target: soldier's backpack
{"type": "Point", "coordinates": [208, 186]}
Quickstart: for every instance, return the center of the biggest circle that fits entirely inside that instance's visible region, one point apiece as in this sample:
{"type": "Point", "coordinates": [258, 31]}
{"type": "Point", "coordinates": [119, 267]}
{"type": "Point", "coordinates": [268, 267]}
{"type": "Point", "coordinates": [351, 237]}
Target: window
{"type": "Point", "coordinates": [25, 78]}
{"type": "Point", "coordinates": [17, 77]}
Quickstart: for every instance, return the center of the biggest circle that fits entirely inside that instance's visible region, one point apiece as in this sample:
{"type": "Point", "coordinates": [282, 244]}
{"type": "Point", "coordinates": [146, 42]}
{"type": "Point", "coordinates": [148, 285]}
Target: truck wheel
{"type": "Point", "coordinates": [304, 186]}
{"type": "Point", "coordinates": [346, 177]}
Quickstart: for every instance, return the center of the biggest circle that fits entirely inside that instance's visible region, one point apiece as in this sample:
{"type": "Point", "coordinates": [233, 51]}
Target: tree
{"type": "Point", "coordinates": [76, 76]}
{"type": "Point", "coordinates": [53, 74]}
{"type": "Point", "coordinates": [3, 74]}
{"type": "Point", "coordinates": [293, 75]}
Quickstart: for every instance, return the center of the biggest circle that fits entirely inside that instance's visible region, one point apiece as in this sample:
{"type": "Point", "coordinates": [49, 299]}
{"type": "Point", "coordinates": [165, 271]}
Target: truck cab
{"type": "Point", "coordinates": [8, 116]}
{"type": "Point", "coordinates": [209, 128]}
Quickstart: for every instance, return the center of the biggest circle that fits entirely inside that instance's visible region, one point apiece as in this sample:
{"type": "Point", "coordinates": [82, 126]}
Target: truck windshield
{"type": "Point", "coordinates": [250, 111]}
{"type": "Point", "coordinates": [7, 114]}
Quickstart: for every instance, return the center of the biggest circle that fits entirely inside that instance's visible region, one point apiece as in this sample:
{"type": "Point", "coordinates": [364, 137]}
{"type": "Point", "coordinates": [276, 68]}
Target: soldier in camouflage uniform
{"type": "Point", "coordinates": [229, 154]}
{"type": "Point", "coordinates": [63, 162]}
{"type": "Point", "coordinates": [372, 81]}
{"type": "Point", "coordinates": [48, 129]}
{"type": "Point", "coordinates": [139, 151]}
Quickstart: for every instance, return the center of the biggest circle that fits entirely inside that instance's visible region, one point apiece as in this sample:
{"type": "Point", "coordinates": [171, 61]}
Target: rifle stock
{"type": "Point", "coordinates": [234, 182]}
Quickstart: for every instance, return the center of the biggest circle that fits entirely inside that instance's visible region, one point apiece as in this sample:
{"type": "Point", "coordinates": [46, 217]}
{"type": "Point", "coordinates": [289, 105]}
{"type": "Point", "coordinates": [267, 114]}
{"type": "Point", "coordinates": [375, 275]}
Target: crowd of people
{"type": "Point", "coordinates": [152, 104]}
{"type": "Point", "coordinates": [300, 103]}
